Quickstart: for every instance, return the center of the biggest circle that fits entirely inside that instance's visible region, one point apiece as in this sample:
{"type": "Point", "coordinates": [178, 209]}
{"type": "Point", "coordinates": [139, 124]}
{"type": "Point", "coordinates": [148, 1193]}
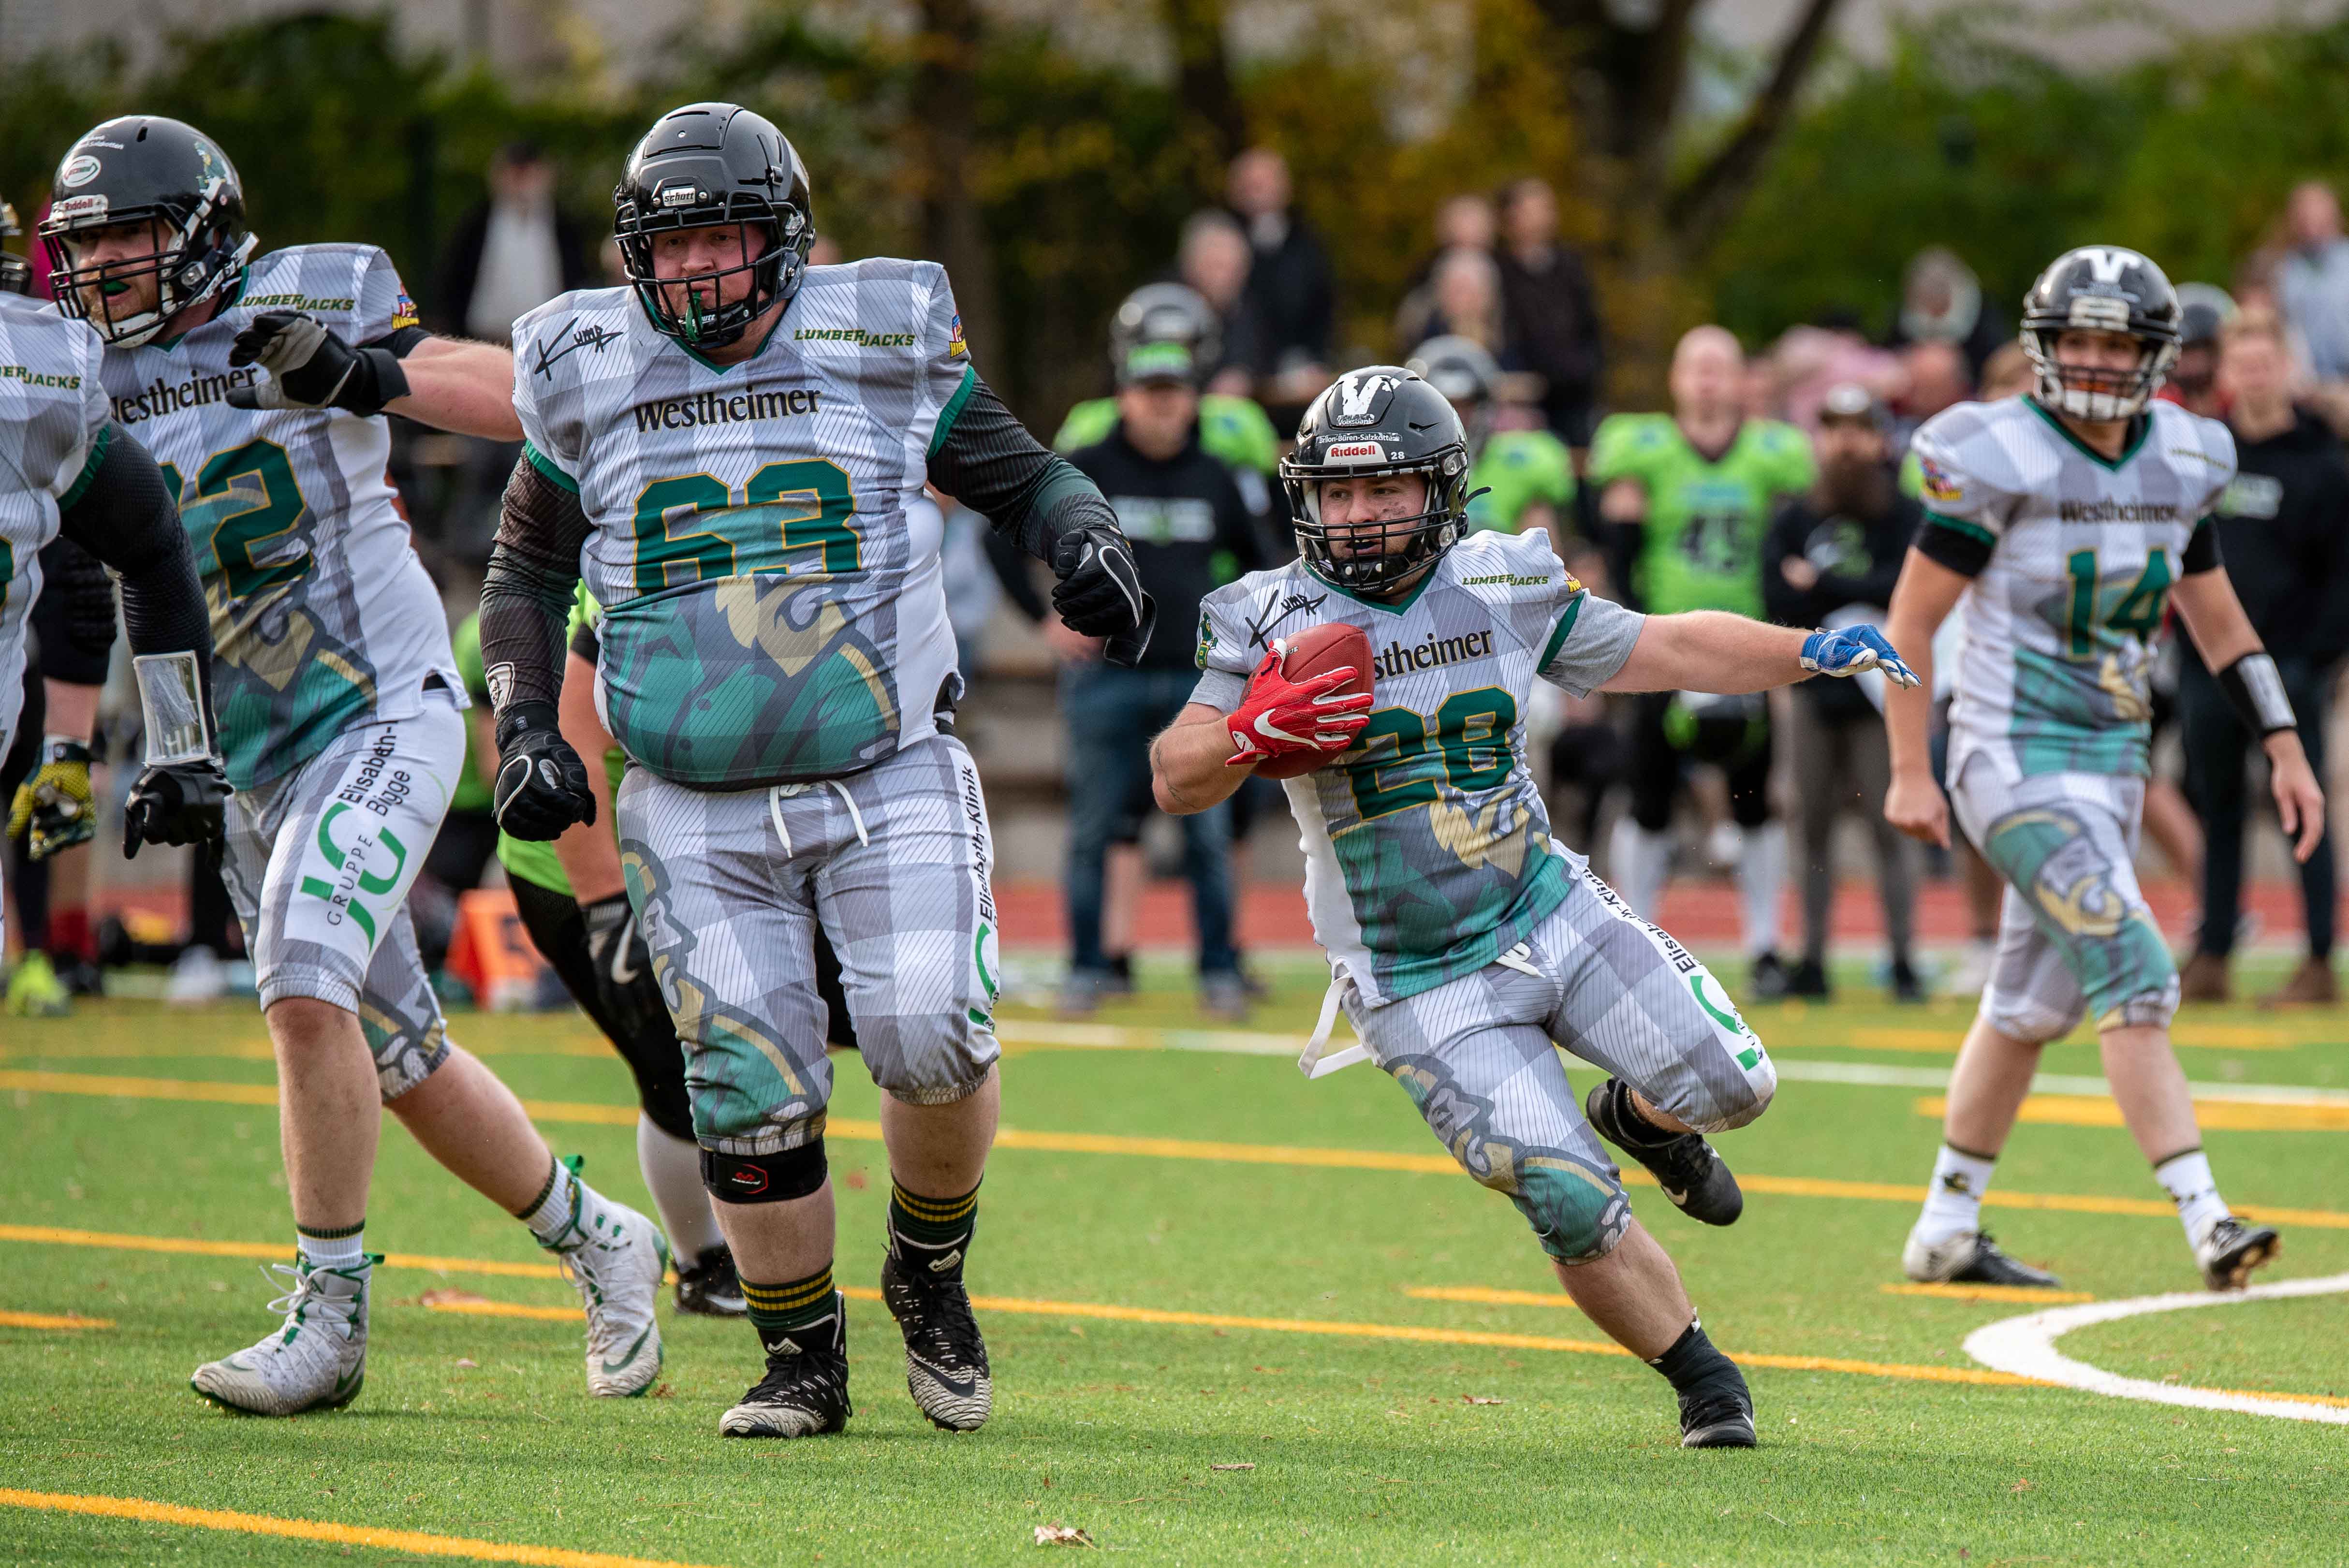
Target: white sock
{"type": "Point", "coordinates": [2190, 1186]}
{"type": "Point", "coordinates": [343, 1251]}
{"type": "Point", "coordinates": [555, 1218]}
{"type": "Point", "coordinates": [672, 1171]}
{"type": "Point", "coordinates": [1642, 860]}
{"type": "Point", "coordinates": [1953, 1202]}
{"type": "Point", "coordinates": [1761, 877]}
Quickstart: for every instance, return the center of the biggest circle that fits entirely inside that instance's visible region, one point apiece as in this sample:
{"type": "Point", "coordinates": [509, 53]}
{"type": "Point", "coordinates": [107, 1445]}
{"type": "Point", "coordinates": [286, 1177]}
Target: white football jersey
{"type": "Point", "coordinates": [53, 421]}
{"type": "Point", "coordinates": [1428, 850]}
{"type": "Point", "coordinates": [773, 607]}
{"type": "Point", "coordinates": [322, 616]}
{"type": "Point", "coordinates": [2060, 624]}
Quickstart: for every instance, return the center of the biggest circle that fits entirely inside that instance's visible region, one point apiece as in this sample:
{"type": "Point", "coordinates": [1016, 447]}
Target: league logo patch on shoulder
{"type": "Point", "coordinates": [1573, 584]}
{"type": "Point", "coordinates": [1939, 485]}
{"type": "Point", "coordinates": [403, 311]}
{"type": "Point", "coordinates": [1206, 637]}
{"type": "Point", "coordinates": [955, 347]}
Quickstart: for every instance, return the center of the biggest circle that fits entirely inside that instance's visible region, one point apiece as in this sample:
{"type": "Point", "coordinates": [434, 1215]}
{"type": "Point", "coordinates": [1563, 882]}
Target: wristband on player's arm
{"type": "Point", "coordinates": [2255, 687]}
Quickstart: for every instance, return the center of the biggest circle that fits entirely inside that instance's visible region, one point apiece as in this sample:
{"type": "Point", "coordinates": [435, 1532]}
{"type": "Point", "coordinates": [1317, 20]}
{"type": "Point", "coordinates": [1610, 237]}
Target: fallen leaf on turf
{"type": "Point", "coordinates": [1058, 1534]}
{"type": "Point", "coordinates": [1238, 1466]}
{"type": "Point", "coordinates": [450, 1298]}
{"type": "Point", "coordinates": [467, 1361]}
{"type": "Point", "coordinates": [1481, 1399]}
{"type": "Point", "coordinates": [664, 1392]}
{"type": "Point", "coordinates": [2019, 1486]}
{"type": "Point", "coordinates": [856, 1181]}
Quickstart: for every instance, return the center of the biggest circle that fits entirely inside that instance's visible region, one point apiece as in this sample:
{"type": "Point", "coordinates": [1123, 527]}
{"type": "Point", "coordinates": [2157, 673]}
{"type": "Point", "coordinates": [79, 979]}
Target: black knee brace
{"type": "Point", "coordinates": [764, 1178]}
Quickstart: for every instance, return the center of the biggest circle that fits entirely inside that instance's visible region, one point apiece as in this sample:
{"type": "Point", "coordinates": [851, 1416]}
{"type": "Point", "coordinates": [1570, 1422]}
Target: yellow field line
{"type": "Point", "coordinates": [51, 1320]}
{"type": "Point", "coordinates": [511, 1309]}
{"type": "Point", "coordinates": [2024, 1293]}
{"type": "Point", "coordinates": [418, 1542]}
{"type": "Point", "coordinates": [2228, 1116]}
{"type": "Point", "coordinates": [264, 1251]}
{"type": "Point", "coordinates": [852, 1130]}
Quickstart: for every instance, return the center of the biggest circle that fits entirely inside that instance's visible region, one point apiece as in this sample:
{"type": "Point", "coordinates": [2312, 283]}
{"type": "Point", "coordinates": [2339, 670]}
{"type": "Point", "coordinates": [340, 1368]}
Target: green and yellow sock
{"type": "Point", "coordinates": [793, 1310]}
{"type": "Point", "coordinates": [932, 1235]}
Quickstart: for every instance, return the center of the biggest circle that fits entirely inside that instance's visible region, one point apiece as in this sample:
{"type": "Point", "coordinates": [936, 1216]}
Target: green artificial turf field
{"type": "Point", "coordinates": [1233, 1316]}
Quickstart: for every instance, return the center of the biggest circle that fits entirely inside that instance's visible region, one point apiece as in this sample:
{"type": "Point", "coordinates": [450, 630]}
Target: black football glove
{"type": "Point", "coordinates": [542, 785]}
{"type": "Point", "coordinates": [310, 367]}
{"type": "Point", "coordinates": [175, 803]}
{"type": "Point", "coordinates": [1099, 591]}
{"type": "Point", "coordinates": [624, 966]}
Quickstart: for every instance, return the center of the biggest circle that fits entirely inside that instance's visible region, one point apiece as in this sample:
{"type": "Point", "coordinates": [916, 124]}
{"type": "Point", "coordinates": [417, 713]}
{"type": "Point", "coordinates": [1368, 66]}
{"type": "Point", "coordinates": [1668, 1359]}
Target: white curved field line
{"type": "Point", "coordinates": [2027, 1347]}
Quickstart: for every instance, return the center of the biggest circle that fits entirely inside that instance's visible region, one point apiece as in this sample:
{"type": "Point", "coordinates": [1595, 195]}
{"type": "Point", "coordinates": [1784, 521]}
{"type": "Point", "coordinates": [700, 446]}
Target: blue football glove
{"type": "Point", "coordinates": [1853, 651]}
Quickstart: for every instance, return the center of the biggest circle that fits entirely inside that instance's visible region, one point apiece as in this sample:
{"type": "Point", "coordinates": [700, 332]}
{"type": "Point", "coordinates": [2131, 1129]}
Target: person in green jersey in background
{"type": "Point", "coordinates": [1519, 478]}
{"type": "Point", "coordinates": [1685, 499]}
{"type": "Point", "coordinates": [1233, 430]}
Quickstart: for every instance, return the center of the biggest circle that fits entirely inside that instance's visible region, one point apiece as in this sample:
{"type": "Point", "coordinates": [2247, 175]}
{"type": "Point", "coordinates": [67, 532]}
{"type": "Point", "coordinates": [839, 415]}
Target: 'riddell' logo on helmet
{"type": "Point", "coordinates": [1355, 452]}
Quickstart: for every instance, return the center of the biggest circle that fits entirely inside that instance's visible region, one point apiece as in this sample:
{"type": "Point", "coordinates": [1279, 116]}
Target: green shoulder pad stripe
{"type": "Point", "coordinates": [88, 475]}
{"type": "Point", "coordinates": [1558, 638]}
{"type": "Point", "coordinates": [1960, 525]}
{"type": "Point", "coordinates": [545, 465]}
{"type": "Point", "coordinates": [953, 410]}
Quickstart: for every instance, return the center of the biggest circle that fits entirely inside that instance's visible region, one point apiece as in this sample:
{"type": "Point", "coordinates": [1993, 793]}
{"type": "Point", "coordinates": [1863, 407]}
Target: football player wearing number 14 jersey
{"type": "Point", "coordinates": [259, 383]}
{"type": "Point", "coordinates": [1465, 942]}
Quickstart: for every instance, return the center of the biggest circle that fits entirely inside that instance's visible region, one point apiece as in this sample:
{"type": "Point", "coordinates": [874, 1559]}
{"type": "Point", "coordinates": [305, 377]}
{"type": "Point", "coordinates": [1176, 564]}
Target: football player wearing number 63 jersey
{"type": "Point", "coordinates": [730, 449]}
{"type": "Point", "coordinates": [1465, 942]}
{"type": "Point", "coordinates": [259, 382]}
{"type": "Point", "coordinates": [2076, 514]}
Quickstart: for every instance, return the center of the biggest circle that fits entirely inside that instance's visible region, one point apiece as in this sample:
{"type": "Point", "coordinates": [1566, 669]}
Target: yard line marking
{"type": "Point", "coordinates": [2088, 1110]}
{"type": "Point", "coordinates": [1988, 1293]}
{"type": "Point", "coordinates": [51, 1320]}
{"type": "Point", "coordinates": [2027, 1347]}
{"type": "Point", "coordinates": [849, 1129]}
{"type": "Point", "coordinates": [420, 1542]}
{"type": "Point", "coordinates": [264, 1252]}
{"type": "Point", "coordinates": [1876, 1074]}
{"type": "Point", "coordinates": [1048, 1034]}
{"type": "Point", "coordinates": [508, 1309]}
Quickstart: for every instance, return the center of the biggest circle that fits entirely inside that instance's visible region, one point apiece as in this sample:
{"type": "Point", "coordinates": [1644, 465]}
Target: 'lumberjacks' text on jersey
{"type": "Point", "coordinates": [322, 614]}
{"type": "Point", "coordinates": [772, 612]}
{"type": "Point", "coordinates": [2059, 625]}
{"type": "Point", "coordinates": [53, 416]}
{"type": "Point", "coordinates": [1428, 850]}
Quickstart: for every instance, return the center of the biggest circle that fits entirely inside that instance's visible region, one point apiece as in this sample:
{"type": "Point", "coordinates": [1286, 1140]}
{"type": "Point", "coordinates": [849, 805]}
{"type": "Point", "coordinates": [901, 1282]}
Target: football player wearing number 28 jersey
{"type": "Point", "coordinates": [259, 382]}
{"type": "Point", "coordinates": [2076, 513]}
{"type": "Point", "coordinates": [1464, 943]}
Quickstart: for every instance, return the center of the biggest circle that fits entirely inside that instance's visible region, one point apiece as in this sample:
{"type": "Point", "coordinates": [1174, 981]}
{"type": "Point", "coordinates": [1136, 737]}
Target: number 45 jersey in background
{"type": "Point", "coordinates": [322, 616]}
{"type": "Point", "coordinates": [774, 613]}
{"type": "Point", "coordinates": [1701, 548]}
{"type": "Point", "coordinates": [2078, 555]}
{"type": "Point", "coordinates": [1428, 851]}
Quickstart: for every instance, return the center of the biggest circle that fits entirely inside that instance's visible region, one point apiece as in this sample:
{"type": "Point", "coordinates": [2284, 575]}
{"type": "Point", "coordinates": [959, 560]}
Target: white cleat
{"type": "Point", "coordinates": [316, 1361]}
{"type": "Point", "coordinates": [618, 1270]}
{"type": "Point", "coordinates": [1969, 1257]}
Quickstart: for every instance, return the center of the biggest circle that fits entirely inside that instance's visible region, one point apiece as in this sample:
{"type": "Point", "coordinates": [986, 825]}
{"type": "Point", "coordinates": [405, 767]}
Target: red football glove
{"type": "Point", "coordinates": [1281, 717]}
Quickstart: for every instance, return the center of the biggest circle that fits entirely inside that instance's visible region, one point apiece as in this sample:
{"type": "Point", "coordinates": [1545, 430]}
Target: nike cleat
{"type": "Point", "coordinates": [1692, 1174]}
{"type": "Point", "coordinates": [712, 1287]}
{"type": "Point", "coordinates": [617, 1272]}
{"type": "Point", "coordinates": [805, 1390]}
{"type": "Point", "coordinates": [2232, 1250]}
{"type": "Point", "coordinates": [1720, 1417]}
{"type": "Point", "coordinates": [1969, 1257]}
{"type": "Point", "coordinates": [946, 1359]}
{"type": "Point", "coordinates": [316, 1360]}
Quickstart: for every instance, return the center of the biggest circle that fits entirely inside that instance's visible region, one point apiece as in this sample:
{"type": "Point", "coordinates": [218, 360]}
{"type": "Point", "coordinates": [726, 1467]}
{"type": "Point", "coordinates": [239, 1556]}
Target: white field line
{"type": "Point", "coordinates": [2027, 1347]}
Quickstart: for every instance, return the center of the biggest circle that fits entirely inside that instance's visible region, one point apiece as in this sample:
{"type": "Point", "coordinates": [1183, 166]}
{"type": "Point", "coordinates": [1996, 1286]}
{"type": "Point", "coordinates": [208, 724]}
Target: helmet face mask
{"type": "Point", "coordinates": [1155, 321]}
{"type": "Point", "coordinates": [1369, 424]}
{"type": "Point", "coordinates": [2103, 289]}
{"type": "Point", "coordinates": [712, 166]}
{"type": "Point", "coordinates": [15, 272]}
{"type": "Point", "coordinates": [171, 179]}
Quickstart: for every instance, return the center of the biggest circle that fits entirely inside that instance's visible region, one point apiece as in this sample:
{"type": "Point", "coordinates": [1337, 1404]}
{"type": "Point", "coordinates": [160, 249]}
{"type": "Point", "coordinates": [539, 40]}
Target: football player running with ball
{"type": "Point", "coordinates": [728, 448]}
{"type": "Point", "coordinates": [260, 382]}
{"type": "Point", "coordinates": [2078, 513]}
{"type": "Point", "coordinates": [1463, 941]}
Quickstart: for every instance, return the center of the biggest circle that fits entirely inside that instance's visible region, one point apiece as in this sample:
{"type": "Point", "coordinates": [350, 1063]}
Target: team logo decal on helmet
{"type": "Point", "coordinates": [2101, 288]}
{"type": "Point", "coordinates": [172, 180]}
{"type": "Point", "coordinates": [16, 273]}
{"type": "Point", "coordinates": [1366, 425]}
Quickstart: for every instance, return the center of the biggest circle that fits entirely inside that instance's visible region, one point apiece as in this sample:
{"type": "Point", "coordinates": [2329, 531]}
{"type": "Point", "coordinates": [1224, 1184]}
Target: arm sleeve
{"type": "Point", "coordinates": [2201, 549]}
{"type": "Point", "coordinates": [1591, 641]}
{"type": "Point", "coordinates": [74, 617]}
{"type": "Point", "coordinates": [584, 641]}
{"type": "Point", "coordinates": [122, 513]}
{"type": "Point", "coordinates": [1965, 510]}
{"type": "Point", "coordinates": [1225, 658]}
{"type": "Point", "coordinates": [527, 596]}
{"type": "Point", "coordinates": [986, 459]}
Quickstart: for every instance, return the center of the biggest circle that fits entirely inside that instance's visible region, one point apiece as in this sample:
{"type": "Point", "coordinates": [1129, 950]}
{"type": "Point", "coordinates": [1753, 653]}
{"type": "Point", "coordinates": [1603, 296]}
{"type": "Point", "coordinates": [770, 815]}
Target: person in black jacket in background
{"type": "Point", "coordinates": [2283, 532]}
{"type": "Point", "coordinates": [1192, 529]}
{"type": "Point", "coordinates": [1829, 552]}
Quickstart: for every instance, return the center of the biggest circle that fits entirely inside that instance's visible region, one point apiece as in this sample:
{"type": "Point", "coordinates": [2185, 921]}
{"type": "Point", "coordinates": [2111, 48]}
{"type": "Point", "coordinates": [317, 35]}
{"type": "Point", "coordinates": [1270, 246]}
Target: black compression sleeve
{"type": "Point", "coordinates": [526, 598]}
{"type": "Point", "coordinates": [992, 464]}
{"type": "Point", "coordinates": [124, 515]}
{"type": "Point", "coordinates": [74, 617]}
{"type": "Point", "coordinates": [1963, 548]}
{"type": "Point", "coordinates": [585, 642]}
{"type": "Point", "coordinates": [401, 342]}
{"type": "Point", "coordinates": [2201, 549]}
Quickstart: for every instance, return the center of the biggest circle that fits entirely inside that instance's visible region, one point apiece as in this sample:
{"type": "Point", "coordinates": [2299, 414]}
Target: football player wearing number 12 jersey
{"type": "Point", "coordinates": [259, 382]}
{"type": "Point", "coordinates": [1465, 942]}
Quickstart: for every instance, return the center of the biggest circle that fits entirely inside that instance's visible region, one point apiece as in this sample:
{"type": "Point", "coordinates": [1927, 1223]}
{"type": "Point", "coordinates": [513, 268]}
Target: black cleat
{"type": "Point", "coordinates": [2232, 1250]}
{"type": "Point", "coordinates": [1970, 1257]}
{"type": "Point", "coordinates": [712, 1287]}
{"type": "Point", "coordinates": [1907, 986]}
{"type": "Point", "coordinates": [1718, 1417]}
{"type": "Point", "coordinates": [946, 1359]}
{"type": "Point", "coordinates": [1808, 980]}
{"type": "Point", "coordinates": [1692, 1174]}
{"type": "Point", "coordinates": [805, 1390]}
{"type": "Point", "coordinates": [1770, 978]}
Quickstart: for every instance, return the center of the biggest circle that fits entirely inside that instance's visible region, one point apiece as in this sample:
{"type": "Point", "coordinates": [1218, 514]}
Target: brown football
{"type": "Point", "coordinates": [1317, 650]}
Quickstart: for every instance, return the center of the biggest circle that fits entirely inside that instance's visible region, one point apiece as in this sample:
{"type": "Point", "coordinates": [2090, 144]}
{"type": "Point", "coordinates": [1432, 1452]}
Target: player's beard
{"type": "Point", "coordinates": [1854, 488]}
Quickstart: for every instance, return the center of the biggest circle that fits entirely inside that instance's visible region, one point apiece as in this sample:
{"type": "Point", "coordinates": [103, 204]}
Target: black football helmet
{"type": "Point", "coordinates": [1166, 315]}
{"type": "Point", "coordinates": [702, 166]}
{"type": "Point", "coordinates": [1381, 419]}
{"type": "Point", "coordinates": [2101, 288]}
{"type": "Point", "coordinates": [15, 272]}
{"type": "Point", "coordinates": [171, 177]}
